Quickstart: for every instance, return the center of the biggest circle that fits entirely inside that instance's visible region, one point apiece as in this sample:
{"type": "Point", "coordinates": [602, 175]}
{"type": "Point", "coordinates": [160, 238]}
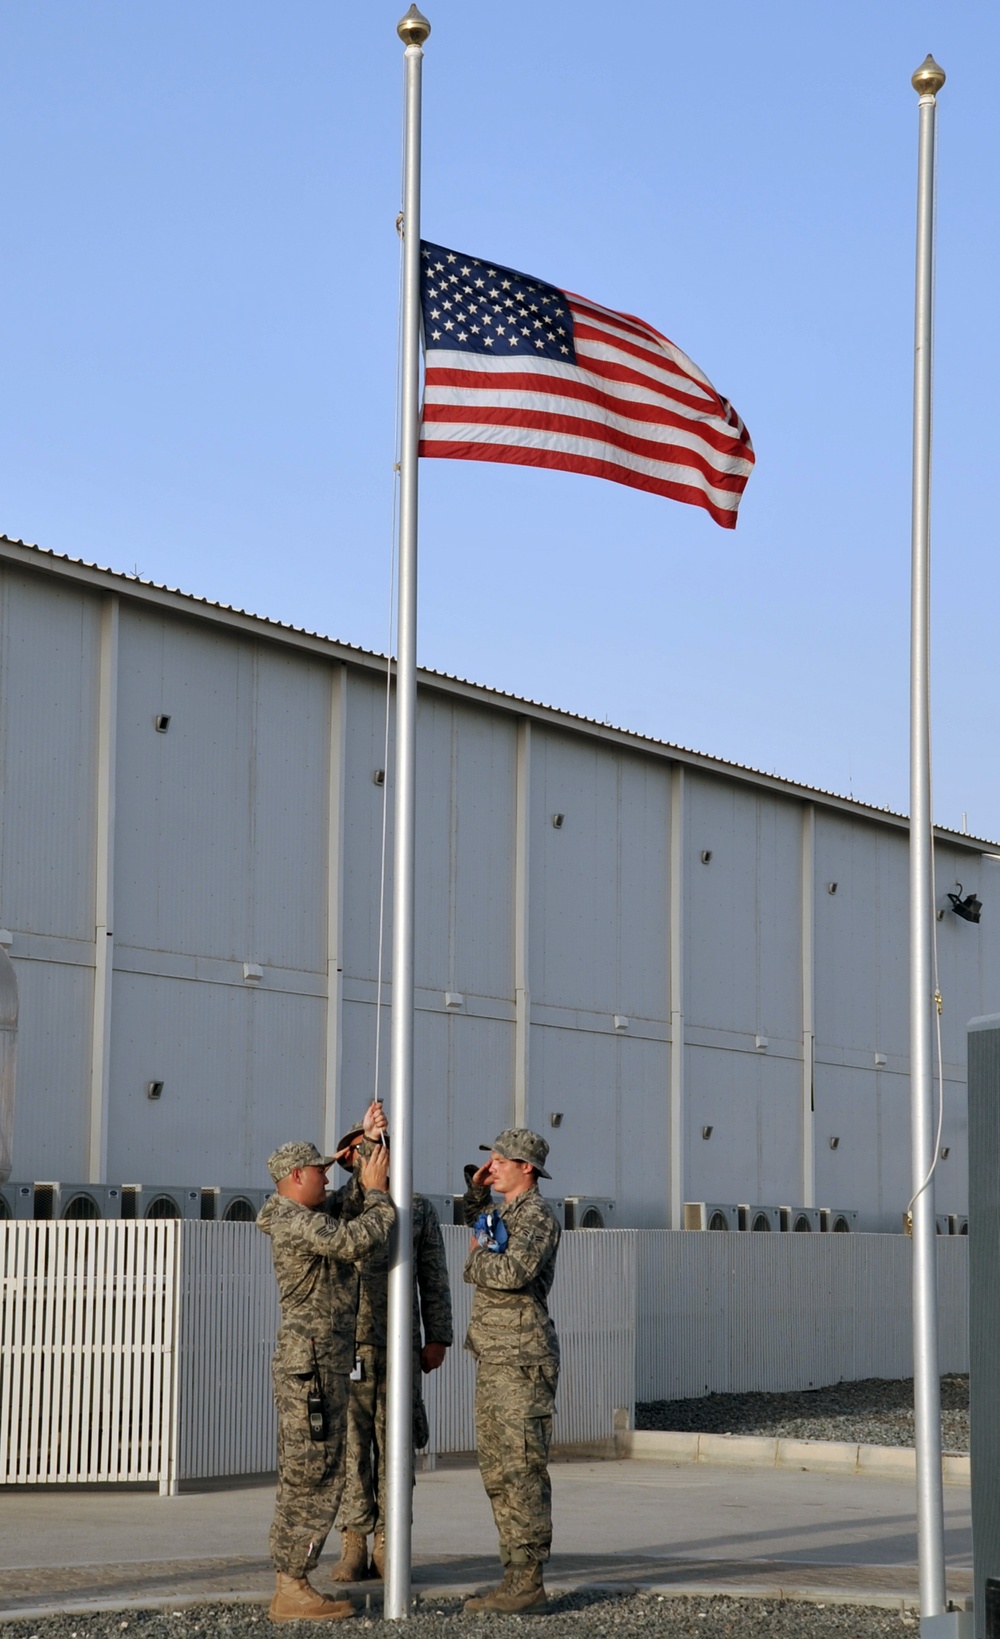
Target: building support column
{"type": "Point", "coordinates": [522, 871]}
{"type": "Point", "coordinates": [808, 1005]}
{"type": "Point", "coordinates": [104, 877]}
{"type": "Point", "coordinates": [676, 958]}
{"type": "Point", "coordinates": [333, 1115]}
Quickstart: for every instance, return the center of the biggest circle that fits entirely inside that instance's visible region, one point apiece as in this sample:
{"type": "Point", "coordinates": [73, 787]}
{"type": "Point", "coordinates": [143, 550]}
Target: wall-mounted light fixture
{"type": "Point", "coordinates": [706, 1132]}
{"type": "Point", "coordinates": [378, 778]}
{"type": "Point", "coordinates": [834, 1143]}
{"type": "Point", "coordinates": [154, 1090]}
{"type": "Point", "coordinates": [706, 855]}
{"type": "Point", "coordinates": [831, 887]}
{"type": "Point", "coordinates": [558, 821]}
{"type": "Point", "coordinates": [969, 908]}
{"type": "Point", "coordinates": [555, 1118]}
{"type": "Point", "coordinates": [945, 1151]}
{"type": "Point", "coordinates": [161, 722]}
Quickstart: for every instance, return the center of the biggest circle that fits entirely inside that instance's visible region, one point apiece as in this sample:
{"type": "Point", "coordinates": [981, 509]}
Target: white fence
{"type": "Point", "coordinates": [141, 1351]}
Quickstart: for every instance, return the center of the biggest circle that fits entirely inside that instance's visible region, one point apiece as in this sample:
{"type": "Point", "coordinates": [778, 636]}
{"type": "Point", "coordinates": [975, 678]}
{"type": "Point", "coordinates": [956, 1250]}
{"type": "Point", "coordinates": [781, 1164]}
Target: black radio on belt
{"type": "Point", "coordinates": [315, 1409]}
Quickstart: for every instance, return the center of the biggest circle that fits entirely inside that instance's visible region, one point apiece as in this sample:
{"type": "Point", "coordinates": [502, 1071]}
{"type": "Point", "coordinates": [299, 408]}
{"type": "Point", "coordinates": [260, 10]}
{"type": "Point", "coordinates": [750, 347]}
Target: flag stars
{"type": "Point", "coordinates": [467, 304]}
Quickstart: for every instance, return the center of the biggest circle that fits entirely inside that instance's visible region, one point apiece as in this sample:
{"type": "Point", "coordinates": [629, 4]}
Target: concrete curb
{"type": "Point", "coordinates": [904, 1603]}
{"type": "Point", "coordinates": [760, 1451]}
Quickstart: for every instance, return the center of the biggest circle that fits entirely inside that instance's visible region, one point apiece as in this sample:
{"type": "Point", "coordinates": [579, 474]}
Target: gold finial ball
{"type": "Point", "coordinates": [414, 28]}
{"type": "Point", "coordinates": [929, 78]}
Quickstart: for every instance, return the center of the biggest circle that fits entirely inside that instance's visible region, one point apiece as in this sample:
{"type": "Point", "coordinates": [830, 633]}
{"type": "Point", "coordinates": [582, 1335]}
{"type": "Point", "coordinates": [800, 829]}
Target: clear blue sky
{"type": "Point", "coordinates": [198, 312]}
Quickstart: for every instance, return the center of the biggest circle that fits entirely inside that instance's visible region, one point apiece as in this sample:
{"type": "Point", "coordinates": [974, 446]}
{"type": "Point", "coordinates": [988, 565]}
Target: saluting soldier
{"type": "Point", "coordinates": [362, 1507]}
{"type": "Point", "coordinates": [314, 1257]}
{"type": "Point", "coordinates": [511, 1264]}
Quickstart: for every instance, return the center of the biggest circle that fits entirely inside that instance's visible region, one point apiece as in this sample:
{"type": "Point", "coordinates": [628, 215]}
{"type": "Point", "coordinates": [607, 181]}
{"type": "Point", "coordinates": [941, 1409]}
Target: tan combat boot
{"type": "Point", "coordinates": [378, 1554]}
{"type": "Point", "coordinates": [353, 1563]}
{"type": "Point", "coordinates": [520, 1590]}
{"type": "Point", "coordinates": [296, 1600]}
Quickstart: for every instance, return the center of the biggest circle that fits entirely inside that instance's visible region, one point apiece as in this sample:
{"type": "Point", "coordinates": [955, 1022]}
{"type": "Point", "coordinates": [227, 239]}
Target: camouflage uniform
{"type": "Point", "coordinates": [314, 1254]}
{"type": "Point", "coordinates": [363, 1502]}
{"type": "Point", "coordinates": [517, 1353]}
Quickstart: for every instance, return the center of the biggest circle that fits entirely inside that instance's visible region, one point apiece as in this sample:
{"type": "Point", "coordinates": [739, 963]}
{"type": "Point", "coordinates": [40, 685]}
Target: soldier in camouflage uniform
{"type": "Point", "coordinates": [511, 1264]}
{"type": "Point", "coordinates": [362, 1508]}
{"type": "Point", "coordinates": [314, 1254]}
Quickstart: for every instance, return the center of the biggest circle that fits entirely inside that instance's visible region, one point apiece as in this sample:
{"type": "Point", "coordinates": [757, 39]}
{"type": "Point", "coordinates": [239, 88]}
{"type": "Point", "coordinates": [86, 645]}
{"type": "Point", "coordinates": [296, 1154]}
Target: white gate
{"type": "Point", "coordinates": [87, 1328]}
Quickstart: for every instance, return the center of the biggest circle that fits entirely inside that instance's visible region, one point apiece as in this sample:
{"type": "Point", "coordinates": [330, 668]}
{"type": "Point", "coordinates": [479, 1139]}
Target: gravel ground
{"type": "Point", "coordinates": [875, 1412]}
{"type": "Point", "coordinates": [574, 1616]}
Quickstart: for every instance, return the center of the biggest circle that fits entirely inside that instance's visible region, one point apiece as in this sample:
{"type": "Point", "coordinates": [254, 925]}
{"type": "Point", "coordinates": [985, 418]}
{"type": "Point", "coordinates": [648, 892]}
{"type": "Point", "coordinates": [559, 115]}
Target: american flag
{"type": "Point", "coordinates": [517, 370]}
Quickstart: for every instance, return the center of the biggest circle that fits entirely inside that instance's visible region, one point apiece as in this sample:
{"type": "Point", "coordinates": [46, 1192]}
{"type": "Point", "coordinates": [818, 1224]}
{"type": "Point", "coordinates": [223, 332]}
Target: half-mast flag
{"type": "Point", "coordinates": [517, 370]}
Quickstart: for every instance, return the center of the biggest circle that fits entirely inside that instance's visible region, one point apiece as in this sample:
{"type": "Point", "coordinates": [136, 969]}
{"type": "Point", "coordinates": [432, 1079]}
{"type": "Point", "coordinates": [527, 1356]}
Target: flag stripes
{"type": "Point", "coordinates": [604, 394]}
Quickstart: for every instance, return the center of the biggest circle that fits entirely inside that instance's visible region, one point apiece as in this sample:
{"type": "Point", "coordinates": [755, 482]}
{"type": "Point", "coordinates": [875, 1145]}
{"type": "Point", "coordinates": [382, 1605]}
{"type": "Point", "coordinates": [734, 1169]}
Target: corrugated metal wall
{"type": "Point", "coordinates": [550, 956]}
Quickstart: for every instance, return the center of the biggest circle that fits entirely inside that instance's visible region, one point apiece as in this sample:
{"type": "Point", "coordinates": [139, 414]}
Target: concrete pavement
{"type": "Point", "coordinates": [672, 1527]}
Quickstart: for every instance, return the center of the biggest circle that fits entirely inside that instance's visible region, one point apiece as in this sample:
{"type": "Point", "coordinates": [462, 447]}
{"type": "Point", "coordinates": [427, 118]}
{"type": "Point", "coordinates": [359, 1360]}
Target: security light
{"type": "Point", "coordinates": [969, 908]}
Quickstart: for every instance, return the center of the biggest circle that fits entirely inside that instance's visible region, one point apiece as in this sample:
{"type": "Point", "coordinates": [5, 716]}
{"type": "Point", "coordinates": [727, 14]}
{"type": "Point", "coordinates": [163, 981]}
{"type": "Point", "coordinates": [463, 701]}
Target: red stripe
{"type": "Point", "coordinates": [575, 427]}
{"type": "Point", "coordinates": [515, 455]}
{"type": "Point", "coordinates": [659, 349]}
{"type": "Point", "coordinates": [475, 381]}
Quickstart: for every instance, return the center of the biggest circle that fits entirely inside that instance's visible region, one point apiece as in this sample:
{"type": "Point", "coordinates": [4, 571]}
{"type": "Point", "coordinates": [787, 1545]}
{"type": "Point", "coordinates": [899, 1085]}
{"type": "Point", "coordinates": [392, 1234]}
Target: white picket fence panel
{"type": "Point", "coordinates": [141, 1351]}
{"type": "Point", "coordinates": [87, 1331]}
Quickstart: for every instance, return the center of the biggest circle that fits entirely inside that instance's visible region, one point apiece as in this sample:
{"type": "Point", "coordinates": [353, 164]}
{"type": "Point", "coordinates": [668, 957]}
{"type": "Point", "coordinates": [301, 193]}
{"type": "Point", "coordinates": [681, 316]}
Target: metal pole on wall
{"type": "Point", "coordinates": [927, 81]}
{"type": "Point", "coordinates": [413, 31]}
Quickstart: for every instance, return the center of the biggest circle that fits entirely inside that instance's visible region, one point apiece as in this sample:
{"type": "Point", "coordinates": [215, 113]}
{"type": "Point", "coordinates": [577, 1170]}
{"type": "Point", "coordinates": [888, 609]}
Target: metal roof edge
{"type": "Point", "coordinates": [43, 560]}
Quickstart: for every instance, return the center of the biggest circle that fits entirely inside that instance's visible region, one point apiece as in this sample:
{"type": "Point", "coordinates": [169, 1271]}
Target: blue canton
{"type": "Point", "coordinates": [480, 307]}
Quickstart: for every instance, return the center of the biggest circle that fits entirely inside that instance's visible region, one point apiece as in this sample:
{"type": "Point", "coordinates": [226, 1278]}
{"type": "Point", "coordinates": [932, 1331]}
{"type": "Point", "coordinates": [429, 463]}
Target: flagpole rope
{"type": "Point", "coordinates": [391, 628]}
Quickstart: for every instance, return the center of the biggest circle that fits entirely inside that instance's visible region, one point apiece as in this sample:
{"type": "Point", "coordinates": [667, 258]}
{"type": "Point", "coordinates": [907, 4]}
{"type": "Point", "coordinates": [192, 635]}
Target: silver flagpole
{"type": "Point", "coordinates": [413, 31]}
{"type": "Point", "coordinates": [927, 81]}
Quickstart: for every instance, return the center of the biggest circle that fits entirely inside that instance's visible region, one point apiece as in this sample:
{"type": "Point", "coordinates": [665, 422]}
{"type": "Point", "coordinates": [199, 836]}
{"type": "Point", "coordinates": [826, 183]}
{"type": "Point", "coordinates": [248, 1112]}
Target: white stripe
{"type": "Point", "coordinates": [671, 355]}
{"type": "Point", "coordinates": [549, 404]}
{"type": "Point", "coordinates": [589, 448]}
{"type": "Point", "coordinates": [620, 324]}
{"type": "Point", "coordinates": [672, 381]}
{"type": "Point", "coordinates": [478, 364]}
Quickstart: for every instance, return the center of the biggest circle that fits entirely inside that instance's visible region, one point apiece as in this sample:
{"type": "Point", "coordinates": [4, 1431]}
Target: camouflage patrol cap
{"type": "Point", "coordinates": [520, 1144]}
{"type": "Point", "coordinates": [283, 1161]}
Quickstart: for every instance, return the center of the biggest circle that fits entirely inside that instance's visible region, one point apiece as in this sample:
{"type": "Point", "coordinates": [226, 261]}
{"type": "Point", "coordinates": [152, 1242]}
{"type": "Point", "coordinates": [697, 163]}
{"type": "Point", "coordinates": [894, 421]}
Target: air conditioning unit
{"type": "Point", "coordinates": [760, 1218]}
{"type": "Point", "coordinates": [800, 1220]}
{"type": "Point", "coordinates": [167, 1201]}
{"type": "Point", "coordinates": [17, 1200]}
{"type": "Point", "coordinates": [90, 1201]}
{"type": "Point", "coordinates": [710, 1215]}
{"type": "Point", "coordinates": [959, 1224]}
{"type": "Point", "coordinates": [232, 1206]}
{"type": "Point", "coordinates": [834, 1221]}
{"type": "Point", "coordinates": [585, 1212]}
{"type": "Point", "coordinates": [46, 1198]}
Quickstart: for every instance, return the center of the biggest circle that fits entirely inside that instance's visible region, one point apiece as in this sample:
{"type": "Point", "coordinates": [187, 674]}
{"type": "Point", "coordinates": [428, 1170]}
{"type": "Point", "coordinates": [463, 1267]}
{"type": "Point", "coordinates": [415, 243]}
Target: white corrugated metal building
{"type": "Point", "coordinates": [699, 969]}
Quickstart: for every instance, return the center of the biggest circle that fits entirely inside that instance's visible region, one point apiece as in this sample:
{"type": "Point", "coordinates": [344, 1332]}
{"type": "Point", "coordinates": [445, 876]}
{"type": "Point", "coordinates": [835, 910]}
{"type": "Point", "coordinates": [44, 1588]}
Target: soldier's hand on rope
{"type": "Point", "coordinates": [375, 1123]}
{"type": "Point", "coordinates": [432, 1356]}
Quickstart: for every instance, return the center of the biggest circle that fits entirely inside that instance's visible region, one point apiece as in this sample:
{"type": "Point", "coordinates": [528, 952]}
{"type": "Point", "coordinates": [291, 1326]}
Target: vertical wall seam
{"type": "Point", "coordinates": [808, 1004]}
{"type": "Point", "coordinates": [522, 874]}
{"type": "Point", "coordinates": [676, 997]}
{"type": "Point", "coordinates": [337, 781]}
{"type": "Point", "coordinates": [104, 869]}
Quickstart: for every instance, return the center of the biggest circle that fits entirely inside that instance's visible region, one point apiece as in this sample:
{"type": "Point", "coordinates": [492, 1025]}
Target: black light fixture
{"type": "Point", "coordinates": [969, 909]}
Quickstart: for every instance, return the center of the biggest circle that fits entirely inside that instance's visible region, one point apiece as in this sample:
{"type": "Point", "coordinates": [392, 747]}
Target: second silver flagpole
{"type": "Point", "coordinates": [927, 80]}
{"type": "Point", "coordinates": [413, 31]}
